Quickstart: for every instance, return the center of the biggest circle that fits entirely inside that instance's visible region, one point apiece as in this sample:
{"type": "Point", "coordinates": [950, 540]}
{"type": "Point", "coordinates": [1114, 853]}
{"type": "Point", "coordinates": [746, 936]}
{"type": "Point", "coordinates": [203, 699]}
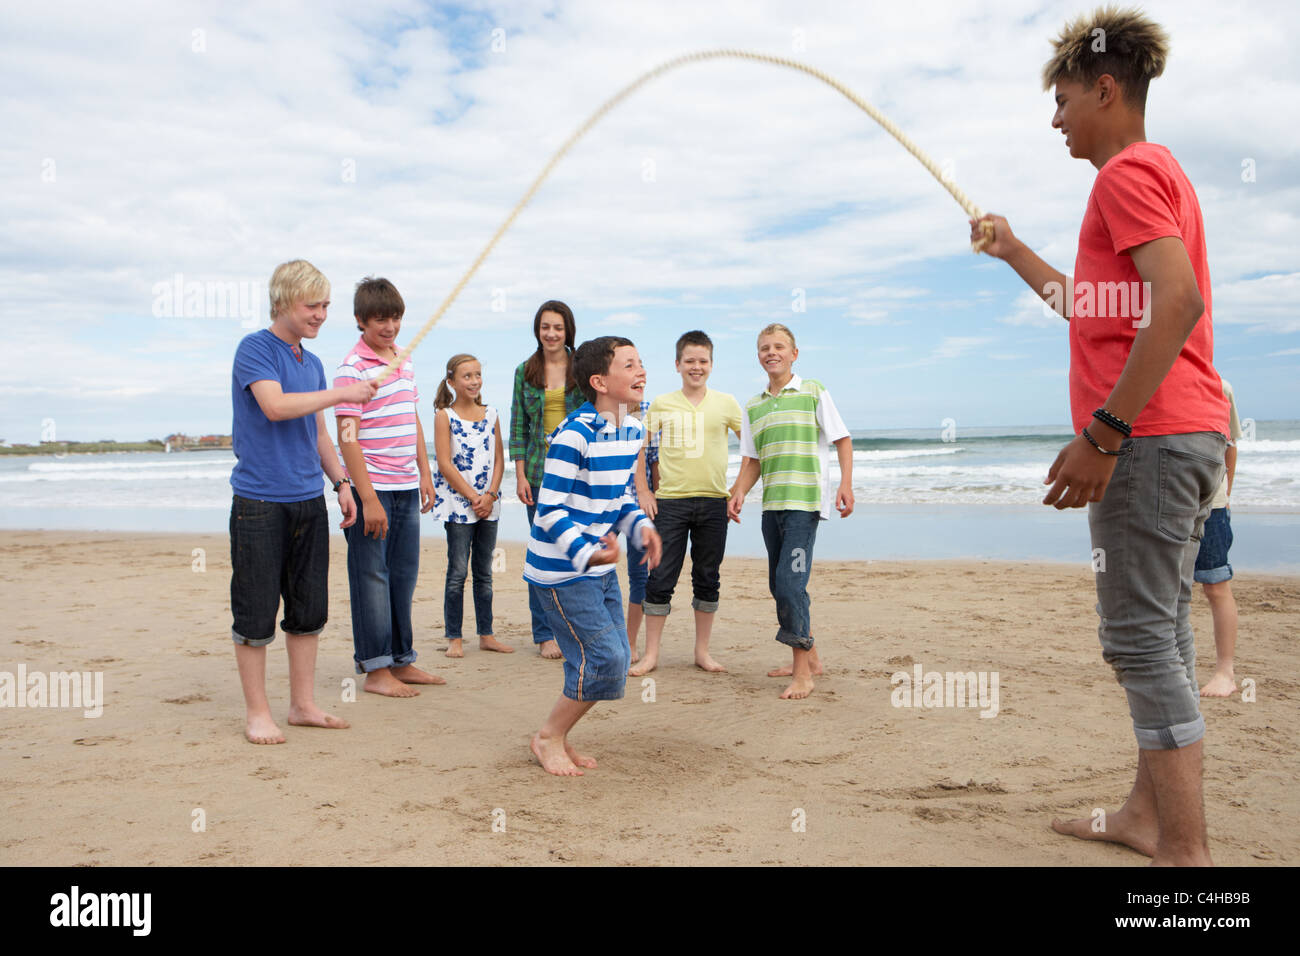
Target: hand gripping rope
{"type": "Point", "coordinates": [971, 209]}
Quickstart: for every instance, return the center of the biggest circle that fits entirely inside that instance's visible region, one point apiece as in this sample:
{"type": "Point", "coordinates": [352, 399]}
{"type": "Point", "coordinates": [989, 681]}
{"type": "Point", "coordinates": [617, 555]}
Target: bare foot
{"type": "Point", "coordinates": [1120, 827]}
{"type": "Point", "coordinates": [487, 642]}
{"type": "Point", "coordinates": [580, 759]}
{"type": "Point", "coordinates": [706, 663]}
{"type": "Point", "coordinates": [550, 650]}
{"type": "Point", "coordinates": [799, 688]}
{"type": "Point", "coordinates": [817, 671]}
{"type": "Point", "coordinates": [313, 716]}
{"type": "Point", "coordinates": [454, 648]}
{"type": "Point", "coordinates": [262, 730]}
{"type": "Point", "coordinates": [383, 682]}
{"type": "Point", "coordinates": [410, 674]}
{"type": "Point", "coordinates": [1220, 685]}
{"type": "Point", "coordinates": [646, 665]}
{"type": "Point", "coordinates": [552, 755]}
{"type": "Point", "coordinates": [635, 656]}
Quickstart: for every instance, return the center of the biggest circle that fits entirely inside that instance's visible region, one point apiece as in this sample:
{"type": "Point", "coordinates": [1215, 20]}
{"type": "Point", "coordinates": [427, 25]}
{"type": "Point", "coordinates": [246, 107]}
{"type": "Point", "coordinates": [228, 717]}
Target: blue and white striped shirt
{"type": "Point", "coordinates": [584, 496]}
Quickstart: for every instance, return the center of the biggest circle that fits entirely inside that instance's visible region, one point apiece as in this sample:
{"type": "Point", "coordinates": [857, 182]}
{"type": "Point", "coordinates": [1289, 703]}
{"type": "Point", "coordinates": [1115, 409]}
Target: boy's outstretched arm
{"type": "Point", "coordinates": [1080, 473]}
{"type": "Point", "coordinates": [1049, 284]}
{"type": "Point", "coordinates": [844, 496]}
{"type": "Point", "coordinates": [750, 469]}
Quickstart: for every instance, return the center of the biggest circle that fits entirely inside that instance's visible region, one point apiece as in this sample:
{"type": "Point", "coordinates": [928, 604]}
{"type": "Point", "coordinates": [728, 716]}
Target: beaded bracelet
{"type": "Point", "coordinates": [1114, 421]}
{"type": "Point", "coordinates": [1093, 442]}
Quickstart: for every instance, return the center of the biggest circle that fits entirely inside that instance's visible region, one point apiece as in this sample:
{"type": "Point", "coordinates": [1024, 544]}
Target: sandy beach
{"type": "Point", "coordinates": [714, 770]}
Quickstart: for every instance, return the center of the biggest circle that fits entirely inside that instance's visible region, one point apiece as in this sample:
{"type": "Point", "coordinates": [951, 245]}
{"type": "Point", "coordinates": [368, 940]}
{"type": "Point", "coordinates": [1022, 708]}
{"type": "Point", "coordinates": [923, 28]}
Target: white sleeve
{"type": "Point", "coordinates": [828, 417]}
{"type": "Point", "coordinates": [747, 447]}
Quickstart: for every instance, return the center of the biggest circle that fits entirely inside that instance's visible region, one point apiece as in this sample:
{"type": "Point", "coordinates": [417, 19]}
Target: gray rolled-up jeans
{"type": "Point", "coordinates": [1145, 535]}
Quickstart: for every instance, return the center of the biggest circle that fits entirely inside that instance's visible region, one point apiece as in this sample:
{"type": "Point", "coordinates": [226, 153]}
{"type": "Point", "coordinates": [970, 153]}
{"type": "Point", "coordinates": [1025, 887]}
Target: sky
{"type": "Point", "coordinates": [195, 146]}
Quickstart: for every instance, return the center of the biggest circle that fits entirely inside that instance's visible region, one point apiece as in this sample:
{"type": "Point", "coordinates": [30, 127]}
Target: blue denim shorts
{"type": "Point", "coordinates": [586, 617]}
{"type": "Point", "coordinates": [1212, 565]}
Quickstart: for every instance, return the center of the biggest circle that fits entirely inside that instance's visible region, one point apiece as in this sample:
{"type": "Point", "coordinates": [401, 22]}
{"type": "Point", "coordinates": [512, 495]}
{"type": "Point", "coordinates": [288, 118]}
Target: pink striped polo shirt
{"type": "Point", "coordinates": [386, 430]}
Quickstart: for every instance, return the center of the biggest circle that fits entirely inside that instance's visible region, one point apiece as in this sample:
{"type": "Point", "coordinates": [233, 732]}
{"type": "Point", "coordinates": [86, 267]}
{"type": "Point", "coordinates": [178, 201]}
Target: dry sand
{"type": "Point", "coordinates": [715, 770]}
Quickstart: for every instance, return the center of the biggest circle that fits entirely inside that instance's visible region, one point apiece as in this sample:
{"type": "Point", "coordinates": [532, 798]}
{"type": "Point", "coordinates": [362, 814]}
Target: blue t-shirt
{"type": "Point", "coordinates": [277, 461]}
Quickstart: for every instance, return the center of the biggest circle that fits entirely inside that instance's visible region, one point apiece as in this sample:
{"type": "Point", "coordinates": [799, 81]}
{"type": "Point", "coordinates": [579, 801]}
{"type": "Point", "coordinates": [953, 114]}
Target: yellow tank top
{"type": "Point", "coordinates": [553, 409]}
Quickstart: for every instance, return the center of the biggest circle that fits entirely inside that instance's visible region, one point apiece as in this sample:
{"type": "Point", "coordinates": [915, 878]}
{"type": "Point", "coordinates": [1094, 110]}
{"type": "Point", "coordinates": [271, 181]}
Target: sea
{"type": "Point", "coordinates": [921, 494]}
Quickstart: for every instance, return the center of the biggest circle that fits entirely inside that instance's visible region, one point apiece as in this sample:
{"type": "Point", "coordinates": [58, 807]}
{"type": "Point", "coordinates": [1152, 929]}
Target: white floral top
{"type": "Point", "coordinates": [473, 452]}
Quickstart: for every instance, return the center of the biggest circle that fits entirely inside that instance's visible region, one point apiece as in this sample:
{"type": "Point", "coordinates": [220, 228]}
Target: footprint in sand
{"type": "Point", "coordinates": [269, 773]}
{"type": "Point", "coordinates": [188, 699]}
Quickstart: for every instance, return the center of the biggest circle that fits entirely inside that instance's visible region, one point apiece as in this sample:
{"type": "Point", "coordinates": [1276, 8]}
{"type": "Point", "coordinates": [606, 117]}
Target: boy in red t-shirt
{"type": "Point", "coordinates": [1141, 351]}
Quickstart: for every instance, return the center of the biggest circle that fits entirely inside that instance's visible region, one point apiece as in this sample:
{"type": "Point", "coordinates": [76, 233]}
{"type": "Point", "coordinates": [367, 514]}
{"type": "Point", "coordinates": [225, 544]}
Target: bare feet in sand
{"type": "Point", "coordinates": [455, 648]}
{"type": "Point", "coordinates": [552, 754]}
{"type": "Point", "coordinates": [262, 730]}
{"type": "Point", "coordinates": [706, 663]}
{"type": "Point", "coordinates": [313, 716]}
{"type": "Point", "coordinates": [580, 759]}
{"type": "Point", "coordinates": [550, 650]}
{"type": "Point", "coordinates": [644, 666]}
{"type": "Point", "coordinates": [799, 688]}
{"type": "Point", "coordinates": [817, 669]}
{"type": "Point", "coordinates": [1220, 685]}
{"type": "Point", "coordinates": [410, 674]}
{"type": "Point", "coordinates": [1122, 826]}
{"type": "Point", "coordinates": [487, 642]}
{"type": "Point", "coordinates": [383, 682]}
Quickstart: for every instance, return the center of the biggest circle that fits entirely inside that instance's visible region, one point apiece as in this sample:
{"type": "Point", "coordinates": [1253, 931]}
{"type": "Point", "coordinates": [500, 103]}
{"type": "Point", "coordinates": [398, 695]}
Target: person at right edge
{"type": "Point", "coordinates": [1148, 411]}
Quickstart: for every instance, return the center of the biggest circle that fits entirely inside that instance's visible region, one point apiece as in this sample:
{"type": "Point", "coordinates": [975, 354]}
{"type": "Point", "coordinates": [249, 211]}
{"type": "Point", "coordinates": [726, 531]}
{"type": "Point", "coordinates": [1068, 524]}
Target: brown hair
{"type": "Point", "coordinates": [444, 396]}
{"type": "Point", "coordinates": [535, 367]}
{"type": "Point", "coordinates": [1122, 43]}
{"type": "Point", "coordinates": [594, 357]}
{"type": "Point", "coordinates": [694, 338]}
{"type": "Point", "coordinates": [376, 299]}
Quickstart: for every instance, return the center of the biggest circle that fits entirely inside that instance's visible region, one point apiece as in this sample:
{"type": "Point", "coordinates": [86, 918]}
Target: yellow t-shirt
{"type": "Point", "coordinates": [692, 443]}
{"type": "Point", "coordinates": [553, 409]}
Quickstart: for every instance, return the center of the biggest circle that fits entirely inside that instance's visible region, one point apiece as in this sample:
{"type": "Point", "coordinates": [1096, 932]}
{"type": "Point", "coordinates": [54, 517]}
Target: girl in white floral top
{"type": "Point", "coordinates": [467, 487]}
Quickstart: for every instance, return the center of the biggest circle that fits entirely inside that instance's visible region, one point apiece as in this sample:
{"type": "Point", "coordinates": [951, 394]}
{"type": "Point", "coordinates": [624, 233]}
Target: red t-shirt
{"type": "Point", "coordinates": [1140, 194]}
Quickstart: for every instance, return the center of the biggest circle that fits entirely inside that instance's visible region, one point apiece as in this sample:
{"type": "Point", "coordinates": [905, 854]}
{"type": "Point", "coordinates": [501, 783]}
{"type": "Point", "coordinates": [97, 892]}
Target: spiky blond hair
{"type": "Point", "coordinates": [1124, 43]}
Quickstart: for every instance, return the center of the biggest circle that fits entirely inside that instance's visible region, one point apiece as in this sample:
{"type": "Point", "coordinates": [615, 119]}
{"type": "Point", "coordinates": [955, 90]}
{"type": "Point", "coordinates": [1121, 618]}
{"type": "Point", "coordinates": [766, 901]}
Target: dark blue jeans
{"type": "Point", "coordinates": [278, 549]}
{"type": "Point", "coordinates": [541, 623]}
{"type": "Point", "coordinates": [704, 520]}
{"type": "Point", "coordinates": [789, 536]}
{"type": "Point", "coordinates": [381, 580]}
{"type": "Point", "coordinates": [469, 545]}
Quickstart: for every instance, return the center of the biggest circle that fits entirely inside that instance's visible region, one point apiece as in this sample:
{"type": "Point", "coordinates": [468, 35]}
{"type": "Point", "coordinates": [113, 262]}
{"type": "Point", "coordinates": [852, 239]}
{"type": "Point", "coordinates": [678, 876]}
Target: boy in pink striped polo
{"type": "Point", "coordinates": [383, 450]}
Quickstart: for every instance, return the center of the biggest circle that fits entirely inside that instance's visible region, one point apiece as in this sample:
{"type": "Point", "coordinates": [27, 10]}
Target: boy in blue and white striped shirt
{"type": "Point", "coordinates": [573, 549]}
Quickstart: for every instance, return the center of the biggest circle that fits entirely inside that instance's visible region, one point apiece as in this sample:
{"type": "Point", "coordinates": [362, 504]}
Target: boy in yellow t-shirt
{"type": "Point", "coordinates": [690, 426]}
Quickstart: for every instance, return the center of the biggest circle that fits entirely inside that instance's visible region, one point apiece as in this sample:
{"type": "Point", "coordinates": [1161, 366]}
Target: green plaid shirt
{"type": "Point", "coordinates": [527, 435]}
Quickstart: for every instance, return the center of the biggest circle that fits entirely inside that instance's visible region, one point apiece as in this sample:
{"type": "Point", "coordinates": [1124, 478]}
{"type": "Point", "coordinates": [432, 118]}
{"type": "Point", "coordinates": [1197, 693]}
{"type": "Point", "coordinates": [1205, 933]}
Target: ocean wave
{"type": "Point", "coordinates": [56, 467]}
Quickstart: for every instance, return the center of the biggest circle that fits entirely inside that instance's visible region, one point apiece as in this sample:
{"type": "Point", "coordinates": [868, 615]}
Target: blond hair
{"type": "Point", "coordinates": [1124, 43]}
{"type": "Point", "coordinates": [778, 327]}
{"type": "Point", "coordinates": [296, 281]}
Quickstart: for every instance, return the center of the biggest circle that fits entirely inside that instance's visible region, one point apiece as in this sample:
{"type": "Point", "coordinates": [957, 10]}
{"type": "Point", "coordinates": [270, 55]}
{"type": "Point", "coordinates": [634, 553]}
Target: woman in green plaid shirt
{"type": "Point", "coordinates": [545, 392]}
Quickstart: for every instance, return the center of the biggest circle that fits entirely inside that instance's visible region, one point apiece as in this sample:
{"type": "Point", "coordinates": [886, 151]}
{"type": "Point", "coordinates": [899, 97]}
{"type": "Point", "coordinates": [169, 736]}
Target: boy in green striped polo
{"type": "Point", "coordinates": [785, 434]}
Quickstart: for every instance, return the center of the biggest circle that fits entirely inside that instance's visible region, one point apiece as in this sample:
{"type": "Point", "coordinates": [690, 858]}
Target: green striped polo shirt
{"type": "Point", "coordinates": [791, 445]}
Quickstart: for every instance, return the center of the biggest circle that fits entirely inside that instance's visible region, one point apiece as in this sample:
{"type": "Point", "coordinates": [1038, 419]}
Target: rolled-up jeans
{"type": "Point", "coordinates": [381, 581]}
{"type": "Point", "coordinates": [1146, 532]}
{"type": "Point", "coordinates": [789, 536]}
